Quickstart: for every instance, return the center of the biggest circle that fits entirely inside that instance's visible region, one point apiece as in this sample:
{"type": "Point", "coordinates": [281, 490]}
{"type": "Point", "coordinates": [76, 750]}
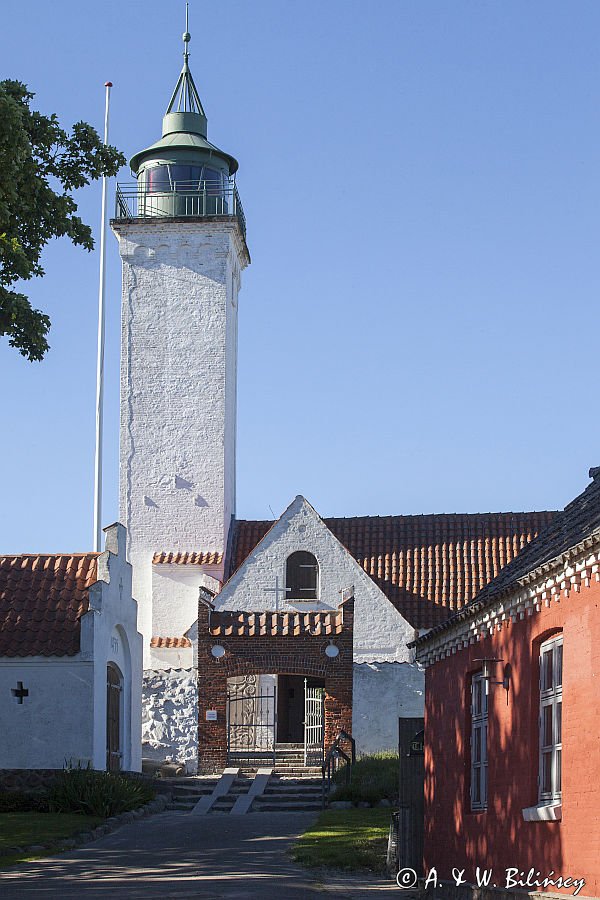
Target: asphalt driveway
{"type": "Point", "coordinates": [175, 855]}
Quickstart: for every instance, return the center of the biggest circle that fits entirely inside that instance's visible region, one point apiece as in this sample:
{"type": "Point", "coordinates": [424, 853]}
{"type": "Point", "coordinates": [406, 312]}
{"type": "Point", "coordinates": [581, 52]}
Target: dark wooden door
{"type": "Point", "coordinates": [114, 692]}
{"type": "Point", "coordinates": [410, 801]}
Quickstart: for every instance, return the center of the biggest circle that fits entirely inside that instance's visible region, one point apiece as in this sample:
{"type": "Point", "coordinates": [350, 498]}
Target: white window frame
{"type": "Point", "coordinates": [479, 740]}
{"type": "Point", "coordinates": [551, 707]}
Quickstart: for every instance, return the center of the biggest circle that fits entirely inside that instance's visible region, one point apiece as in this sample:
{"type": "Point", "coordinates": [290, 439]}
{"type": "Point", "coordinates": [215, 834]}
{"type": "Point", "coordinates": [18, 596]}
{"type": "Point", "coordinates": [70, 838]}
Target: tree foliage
{"type": "Point", "coordinates": [40, 166]}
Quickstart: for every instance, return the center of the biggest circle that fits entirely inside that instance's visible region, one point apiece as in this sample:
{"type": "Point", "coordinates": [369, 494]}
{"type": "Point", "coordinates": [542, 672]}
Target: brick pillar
{"type": "Point", "coordinates": [338, 681]}
{"type": "Point", "coordinates": [212, 697]}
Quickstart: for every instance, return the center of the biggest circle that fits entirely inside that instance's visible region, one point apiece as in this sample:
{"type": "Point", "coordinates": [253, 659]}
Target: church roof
{"type": "Point", "coordinates": [429, 566]}
{"type": "Point", "coordinates": [578, 524]}
{"type": "Point", "coordinates": [42, 598]}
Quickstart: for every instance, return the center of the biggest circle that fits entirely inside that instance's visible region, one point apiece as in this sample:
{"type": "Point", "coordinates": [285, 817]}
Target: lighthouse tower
{"type": "Point", "coordinates": [182, 241]}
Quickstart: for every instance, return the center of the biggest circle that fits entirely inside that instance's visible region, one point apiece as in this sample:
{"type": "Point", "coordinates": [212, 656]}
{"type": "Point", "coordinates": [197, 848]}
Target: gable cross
{"type": "Point", "coordinates": [277, 590]}
{"type": "Point", "coordinates": [19, 692]}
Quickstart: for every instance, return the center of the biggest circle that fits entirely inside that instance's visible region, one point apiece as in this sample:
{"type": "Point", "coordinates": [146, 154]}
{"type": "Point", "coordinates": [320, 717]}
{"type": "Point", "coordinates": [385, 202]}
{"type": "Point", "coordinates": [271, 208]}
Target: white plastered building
{"type": "Point", "coordinates": [70, 660]}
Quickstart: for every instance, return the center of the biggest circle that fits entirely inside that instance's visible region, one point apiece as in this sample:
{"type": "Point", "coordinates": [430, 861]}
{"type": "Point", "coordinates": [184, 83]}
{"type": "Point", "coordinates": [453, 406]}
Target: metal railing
{"type": "Point", "coordinates": [336, 757]}
{"type": "Point", "coordinates": [179, 199]}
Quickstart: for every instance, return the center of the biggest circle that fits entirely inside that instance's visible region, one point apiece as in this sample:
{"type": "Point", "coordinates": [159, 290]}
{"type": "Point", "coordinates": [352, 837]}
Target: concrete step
{"type": "Point", "coordinates": [192, 791]}
{"type": "Point", "coordinates": [293, 791]}
{"type": "Point", "coordinates": [284, 806]}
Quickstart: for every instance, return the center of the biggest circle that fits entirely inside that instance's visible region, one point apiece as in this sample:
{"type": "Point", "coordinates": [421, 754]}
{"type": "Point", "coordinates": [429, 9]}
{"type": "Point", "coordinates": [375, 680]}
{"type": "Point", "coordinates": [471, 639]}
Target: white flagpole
{"type": "Point", "coordinates": [100, 365]}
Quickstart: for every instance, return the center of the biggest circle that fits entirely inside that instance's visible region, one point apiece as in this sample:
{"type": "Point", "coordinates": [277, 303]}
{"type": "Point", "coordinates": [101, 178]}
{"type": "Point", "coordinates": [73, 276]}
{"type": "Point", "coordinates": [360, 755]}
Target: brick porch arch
{"type": "Point", "coordinates": [270, 643]}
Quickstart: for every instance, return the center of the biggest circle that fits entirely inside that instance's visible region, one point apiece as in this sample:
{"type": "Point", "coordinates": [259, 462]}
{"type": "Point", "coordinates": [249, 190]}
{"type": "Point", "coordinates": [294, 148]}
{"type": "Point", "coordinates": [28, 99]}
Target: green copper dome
{"type": "Point", "coordinates": [184, 143]}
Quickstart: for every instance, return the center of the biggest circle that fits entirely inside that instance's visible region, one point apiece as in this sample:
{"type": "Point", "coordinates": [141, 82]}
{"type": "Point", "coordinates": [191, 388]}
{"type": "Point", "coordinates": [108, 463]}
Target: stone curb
{"type": "Point", "coordinates": [159, 804]}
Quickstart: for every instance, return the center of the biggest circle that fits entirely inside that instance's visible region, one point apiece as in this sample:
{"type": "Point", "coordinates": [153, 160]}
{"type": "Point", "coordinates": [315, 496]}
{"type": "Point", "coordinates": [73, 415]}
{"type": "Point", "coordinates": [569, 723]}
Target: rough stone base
{"type": "Point", "coordinates": [27, 779]}
{"type": "Point", "coordinates": [170, 717]}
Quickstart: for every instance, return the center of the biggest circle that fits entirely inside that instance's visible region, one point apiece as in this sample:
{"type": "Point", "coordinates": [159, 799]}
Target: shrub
{"type": "Point", "coordinates": [97, 793]}
{"type": "Point", "coordinates": [374, 778]}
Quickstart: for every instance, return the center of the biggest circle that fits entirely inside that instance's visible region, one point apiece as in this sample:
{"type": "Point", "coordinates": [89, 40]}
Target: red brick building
{"type": "Point", "coordinates": [511, 780]}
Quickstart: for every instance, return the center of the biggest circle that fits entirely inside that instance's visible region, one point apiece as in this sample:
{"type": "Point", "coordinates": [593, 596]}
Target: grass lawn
{"type": "Point", "coordinates": [23, 829]}
{"type": "Point", "coordinates": [350, 839]}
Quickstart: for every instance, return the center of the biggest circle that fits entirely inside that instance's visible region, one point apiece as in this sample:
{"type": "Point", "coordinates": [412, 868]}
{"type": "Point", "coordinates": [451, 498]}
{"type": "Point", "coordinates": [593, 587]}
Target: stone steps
{"type": "Point", "coordinates": [225, 804]}
{"type": "Point", "coordinates": [187, 791]}
{"type": "Point", "coordinates": [300, 793]}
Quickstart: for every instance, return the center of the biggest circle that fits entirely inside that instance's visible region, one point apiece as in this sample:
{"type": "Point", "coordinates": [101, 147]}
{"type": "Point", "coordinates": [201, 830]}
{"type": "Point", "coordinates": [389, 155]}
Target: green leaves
{"type": "Point", "coordinates": [97, 793]}
{"type": "Point", "coordinates": [40, 164]}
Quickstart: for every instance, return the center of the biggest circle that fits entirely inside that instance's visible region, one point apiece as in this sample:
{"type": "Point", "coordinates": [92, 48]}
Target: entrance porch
{"type": "Point", "coordinates": [272, 685]}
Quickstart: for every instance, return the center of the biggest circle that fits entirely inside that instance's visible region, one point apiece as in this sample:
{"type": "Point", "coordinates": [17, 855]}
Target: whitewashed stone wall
{"type": "Point", "coordinates": [178, 390]}
{"type": "Point", "coordinates": [380, 632]}
{"type": "Point", "coordinates": [383, 692]}
{"type": "Point", "coordinates": [64, 716]}
{"type": "Point", "coordinates": [170, 717]}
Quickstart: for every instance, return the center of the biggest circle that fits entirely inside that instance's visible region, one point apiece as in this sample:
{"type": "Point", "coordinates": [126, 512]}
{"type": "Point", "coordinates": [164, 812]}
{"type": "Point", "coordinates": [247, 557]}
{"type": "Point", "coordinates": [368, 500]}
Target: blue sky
{"type": "Point", "coordinates": [420, 183]}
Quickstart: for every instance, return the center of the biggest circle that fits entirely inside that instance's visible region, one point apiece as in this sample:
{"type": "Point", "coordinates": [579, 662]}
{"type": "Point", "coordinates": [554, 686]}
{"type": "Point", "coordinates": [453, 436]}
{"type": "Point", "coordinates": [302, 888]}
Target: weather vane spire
{"type": "Point", "coordinates": [186, 34]}
{"type": "Point", "coordinates": [185, 97]}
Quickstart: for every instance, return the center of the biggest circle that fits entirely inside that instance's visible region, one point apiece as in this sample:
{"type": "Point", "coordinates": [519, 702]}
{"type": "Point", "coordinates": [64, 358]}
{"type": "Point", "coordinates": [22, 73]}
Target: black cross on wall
{"type": "Point", "coordinates": [19, 692]}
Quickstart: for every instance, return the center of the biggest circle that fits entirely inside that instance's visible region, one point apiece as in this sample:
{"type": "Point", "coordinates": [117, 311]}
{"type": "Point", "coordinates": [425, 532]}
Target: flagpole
{"type": "Point", "coordinates": [100, 362]}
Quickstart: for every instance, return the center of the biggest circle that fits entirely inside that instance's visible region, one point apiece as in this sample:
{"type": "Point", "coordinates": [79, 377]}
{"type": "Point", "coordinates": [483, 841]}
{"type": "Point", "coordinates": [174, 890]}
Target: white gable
{"type": "Point", "coordinates": [380, 632]}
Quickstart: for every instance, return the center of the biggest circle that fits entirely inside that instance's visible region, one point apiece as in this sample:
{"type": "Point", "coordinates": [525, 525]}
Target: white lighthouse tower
{"type": "Point", "coordinates": [182, 241]}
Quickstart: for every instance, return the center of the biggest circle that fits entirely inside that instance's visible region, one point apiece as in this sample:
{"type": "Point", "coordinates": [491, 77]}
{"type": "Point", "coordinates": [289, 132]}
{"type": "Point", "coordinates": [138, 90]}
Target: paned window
{"type": "Point", "coordinates": [479, 742]}
{"type": "Point", "coordinates": [551, 669]}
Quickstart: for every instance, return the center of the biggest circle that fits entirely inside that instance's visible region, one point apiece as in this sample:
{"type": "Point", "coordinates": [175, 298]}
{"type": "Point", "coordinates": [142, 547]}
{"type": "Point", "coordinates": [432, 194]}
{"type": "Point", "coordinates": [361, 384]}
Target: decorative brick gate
{"type": "Point", "coordinates": [240, 643]}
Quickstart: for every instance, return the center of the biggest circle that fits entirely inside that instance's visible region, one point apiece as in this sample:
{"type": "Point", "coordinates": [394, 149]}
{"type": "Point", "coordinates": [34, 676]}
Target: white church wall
{"type": "Point", "coordinates": [54, 723]}
{"type": "Point", "coordinates": [383, 692]}
{"type": "Point", "coordinates": [109, 635]}
{"type": "Point", "coordinates": [171, 658]}
{"type": "Point", "coordinates": [170, 717]}
{"type": "Point", "coordinates": [63, 717]}
{"type": "Point", "coordinates": [175, 600]}
{"type": "Point", "coordinates": [178, 404]}
{"type": "Point", "coordinates": [380, 632]}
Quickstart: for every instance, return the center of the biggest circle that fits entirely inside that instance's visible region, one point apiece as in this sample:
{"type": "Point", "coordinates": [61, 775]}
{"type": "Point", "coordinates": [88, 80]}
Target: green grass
{"type": "Point", "coordinates": [24, 829]}
{"type": "Point", "coordinates": [349, 839]}
{"type": "Point", "coordinates": [373, 778]}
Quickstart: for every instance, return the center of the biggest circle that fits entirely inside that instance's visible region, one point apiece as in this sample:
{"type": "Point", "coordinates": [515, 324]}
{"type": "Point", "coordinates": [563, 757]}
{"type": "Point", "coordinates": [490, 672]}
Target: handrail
{"type": "Point", "coordinates": [180, 199]}
{"type": "Point", "coordinates": [334, 755]}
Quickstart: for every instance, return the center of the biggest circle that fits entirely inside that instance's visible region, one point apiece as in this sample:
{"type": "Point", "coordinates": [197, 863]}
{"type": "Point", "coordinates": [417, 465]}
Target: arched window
{"type": "Point", "coordinates": [302, 576]}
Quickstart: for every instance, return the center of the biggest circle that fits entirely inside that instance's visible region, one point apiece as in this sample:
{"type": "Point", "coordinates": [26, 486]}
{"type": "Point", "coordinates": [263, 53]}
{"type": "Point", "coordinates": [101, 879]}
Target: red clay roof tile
{"type": "Point", "coordinates": [202, 558]}
{"type": "Point", "coordinates": [429, 566]}
{"type": "Point", "coordinates": [170, 642]}
{"type": "Point", "coordinates": [42, 598]}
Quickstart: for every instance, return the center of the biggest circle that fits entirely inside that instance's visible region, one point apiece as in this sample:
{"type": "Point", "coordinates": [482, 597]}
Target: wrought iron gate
{"type": "Point", "coordinates": [251, 721]}
{"type": "Point", "coordinates": [314, 725]}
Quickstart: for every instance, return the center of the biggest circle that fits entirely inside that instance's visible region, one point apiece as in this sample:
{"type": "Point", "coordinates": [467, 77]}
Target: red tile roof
{"type": "Point", "coordinates": [42, 598]}
{"type": "Point", "coordinates": [170, 642]}
{"type": "Point", "coordinates": [202, 558]}
{"type": "Point", "coordinates": [577, 523]}
{"type": "Point", "coordinates": [250, 624]}
{"type": "Point", "coordinates": [429, 566]}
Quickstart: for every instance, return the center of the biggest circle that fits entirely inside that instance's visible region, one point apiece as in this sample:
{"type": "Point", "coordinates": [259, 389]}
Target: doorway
{"type": "Point", "coordinates": [114, 692]}
{"type": "Point", "coordinates": [291, 709]}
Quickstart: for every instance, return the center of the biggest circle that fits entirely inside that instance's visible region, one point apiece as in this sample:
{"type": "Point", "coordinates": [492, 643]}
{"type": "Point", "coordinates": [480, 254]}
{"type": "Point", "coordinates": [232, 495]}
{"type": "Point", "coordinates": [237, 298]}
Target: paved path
{"type": "Point", "coordinates": [174, 855]}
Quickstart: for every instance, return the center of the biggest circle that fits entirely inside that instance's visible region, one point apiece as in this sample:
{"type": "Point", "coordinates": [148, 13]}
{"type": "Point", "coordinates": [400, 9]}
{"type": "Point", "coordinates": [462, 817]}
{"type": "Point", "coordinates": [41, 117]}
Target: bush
{"type": "Point", "coordinates": [97, 793]}
{"type": "Point", "coordinates": [374, 778]}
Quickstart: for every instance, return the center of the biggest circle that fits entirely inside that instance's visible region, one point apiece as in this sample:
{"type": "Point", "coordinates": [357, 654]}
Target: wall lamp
{"type": "Point", "coordinates": [487, 667]}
